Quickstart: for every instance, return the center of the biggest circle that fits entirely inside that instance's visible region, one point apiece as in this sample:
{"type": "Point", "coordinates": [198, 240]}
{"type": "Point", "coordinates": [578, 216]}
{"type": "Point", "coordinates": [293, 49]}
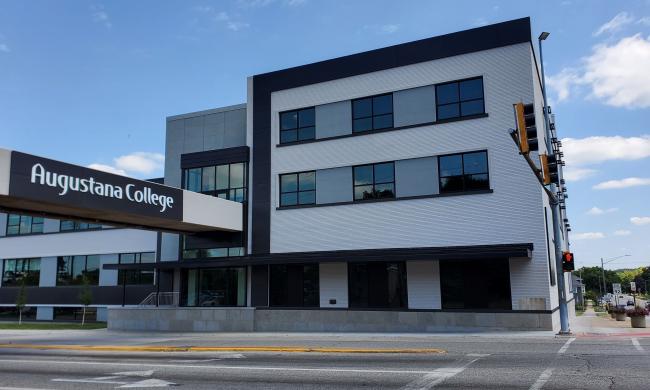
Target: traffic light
{"type": "Point", "coordinates": [526, 128]}
{"type": "Point", "coordinates": [549, 169]}
{"type": "Point", "coordinates": [568, 263]}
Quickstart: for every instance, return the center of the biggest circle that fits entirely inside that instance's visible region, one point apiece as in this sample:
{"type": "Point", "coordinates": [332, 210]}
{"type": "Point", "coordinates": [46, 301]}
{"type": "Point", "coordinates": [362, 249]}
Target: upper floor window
{"type": "Point", "coordinates": [23, 224]}
{"type": "Point", "coordinates": [67, 226]}
{"type": "Point", "coordinates": [459, 98]}
{"type": "Point", "coordinates": [298, 188]}
{"type": "Point", "coordinates": [71, 270]}
{"type": "Point", "coordinates": [374, 181]}
{"type": "Point", "coordinates": [297, 125]}
{"type": "Point", "coordinates": [227, 181]}
{"type": "Point", "coordinates": [136, 276]}
{"type": "Point", "coordinates": [19, 271]}
{"type": "Point", "coordinates": [372, 113]}
{"type": "Point", "coordinates": [201, 253]}
{"type": "Point", "coordinates": [464, 172]}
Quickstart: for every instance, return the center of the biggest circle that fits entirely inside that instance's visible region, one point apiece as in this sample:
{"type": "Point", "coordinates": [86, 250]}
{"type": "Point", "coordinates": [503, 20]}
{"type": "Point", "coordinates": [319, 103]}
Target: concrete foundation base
{"type": "Point", "coordinates": [248, 319]}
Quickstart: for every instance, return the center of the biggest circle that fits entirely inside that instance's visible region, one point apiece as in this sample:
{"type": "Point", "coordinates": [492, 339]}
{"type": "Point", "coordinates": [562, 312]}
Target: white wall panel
{"type": "Point", "coordinates": [512, 214]}
{"type": "Point", "coordinates": [47, 276]}
{"type": "Point", "coordinates": [423, 279]}
{"type": "Point", "coordinates": [333, 282]}
{"type": "Point", "coordinates": [108, 277]}
{"type": "Point", "coordinates": [78, 243]}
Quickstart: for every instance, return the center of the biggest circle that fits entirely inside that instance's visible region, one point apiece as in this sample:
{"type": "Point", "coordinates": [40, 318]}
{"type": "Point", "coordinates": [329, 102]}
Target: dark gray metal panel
{"type": "Point", "coordinates": [415, 105]}
{"type": "Point", "coordinates": [193, 141]}
{"type": "Point", "coordinates": [334, 185]}
{"type": "Point", "coordinates": [214, 131]}
{"type": "Point", "coordinates": [3, 224]}
{"type": "Point", "coordinates": [215, 157]}
{"type": "Point", "coordinates": [69, 295]}
{"type": "Point", "coordinates": [235, 128]}
{"type": "Point", "coordinates": [260, 286]}
{"type": "Point", "coordinates": [416, 177]}
{"type": "Point", "coordinates": [174, 146]}
{"type": "Point", "coordinates": [334, 119]}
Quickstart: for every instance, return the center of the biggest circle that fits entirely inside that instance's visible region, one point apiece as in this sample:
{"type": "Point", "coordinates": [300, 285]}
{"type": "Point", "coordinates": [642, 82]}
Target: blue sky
{"type": "Point", "coordinates": [92, 82]}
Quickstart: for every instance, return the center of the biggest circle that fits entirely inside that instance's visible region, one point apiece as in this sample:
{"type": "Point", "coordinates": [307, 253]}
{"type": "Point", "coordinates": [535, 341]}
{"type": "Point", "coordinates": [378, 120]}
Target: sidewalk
{"type": "Point", "coordinates": [590, 324]}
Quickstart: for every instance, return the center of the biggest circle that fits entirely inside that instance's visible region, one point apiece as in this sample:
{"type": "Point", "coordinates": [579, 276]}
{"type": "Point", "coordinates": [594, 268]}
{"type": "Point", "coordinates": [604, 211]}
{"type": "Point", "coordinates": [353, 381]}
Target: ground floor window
{"type": "Point", "coordinates": [74, 313]}
{"type": "Point", "coordinates": [377, 285]}
{"type": "Point", "coordinates": [10, 313]}
{"type": "Point", "coordinates": [72, 270]}
{"type": "Point", "coordinates": [136, 276]}
{"type": "Point", "coordinates": [216, 287]}
{"type": "Point", "coordinates": [475, 284]}
{"type": "Point", "coordinates": [294, 285]}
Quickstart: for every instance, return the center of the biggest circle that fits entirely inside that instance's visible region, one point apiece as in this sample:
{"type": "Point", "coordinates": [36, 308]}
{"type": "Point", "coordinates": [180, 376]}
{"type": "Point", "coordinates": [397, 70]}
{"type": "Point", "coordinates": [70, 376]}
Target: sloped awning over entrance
{"type": "Point", "coordinates": [40, 186]}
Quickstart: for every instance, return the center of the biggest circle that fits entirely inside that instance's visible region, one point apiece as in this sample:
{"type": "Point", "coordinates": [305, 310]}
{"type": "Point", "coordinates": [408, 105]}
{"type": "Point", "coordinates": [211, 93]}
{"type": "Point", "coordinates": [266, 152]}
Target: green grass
{"type": "Point", "coordinates": [50, 326]}
{"type": "Point", "coordinates": [579, 312]}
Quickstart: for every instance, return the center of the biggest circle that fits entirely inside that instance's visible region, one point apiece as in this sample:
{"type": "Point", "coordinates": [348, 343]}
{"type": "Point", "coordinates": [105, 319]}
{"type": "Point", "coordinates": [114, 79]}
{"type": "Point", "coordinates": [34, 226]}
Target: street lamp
{"type": "Point", "coordinates": [602, 269]}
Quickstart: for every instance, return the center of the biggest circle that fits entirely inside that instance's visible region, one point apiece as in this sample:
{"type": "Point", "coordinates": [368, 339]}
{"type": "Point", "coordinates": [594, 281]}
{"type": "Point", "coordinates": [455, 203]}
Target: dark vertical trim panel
{"type": "Point", "coordinates": [463, 42]}
{"type": "Point", "coordinates": [260, 285]}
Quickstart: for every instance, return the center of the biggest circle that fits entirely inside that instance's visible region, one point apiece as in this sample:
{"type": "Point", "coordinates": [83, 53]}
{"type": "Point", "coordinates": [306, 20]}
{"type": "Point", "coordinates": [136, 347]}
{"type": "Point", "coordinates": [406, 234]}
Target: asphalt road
{"type": "Point", "coordinates": [469, 363]}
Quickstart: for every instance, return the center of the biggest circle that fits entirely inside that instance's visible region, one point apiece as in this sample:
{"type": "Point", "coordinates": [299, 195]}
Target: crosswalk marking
{"type": "Point", "coordinates": [541, 381]}
{"type": "Point", "coordinates": [637, 345]}
{"type": "Point", "coordinates": [566, 345]}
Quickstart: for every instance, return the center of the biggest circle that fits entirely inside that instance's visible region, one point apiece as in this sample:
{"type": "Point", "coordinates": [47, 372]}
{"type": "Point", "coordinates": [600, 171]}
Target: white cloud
{"type": "Point", "coordinates": [640, 220]}
{"type": "Point", "coordinates": [615, 74]}
{"type": "Point", "coordinates": [622, 233]}
{"type": "Point", "coordinates": [577, 174]}
{"type": "Point", "coordinates": [389, 28]}
{"type": "Point", "coordinates": [107, 168]}
{"type": "Point", "coordinates": [623, 183]}
{"type": "Point", "coordinates": [264, 3]}
{"type": "Point", "coordinates": [598, 149]}
{"type": "Point", "coordinates": [100, 16]}
{"type": "Point", "coordinates": [644, 20]}
{"type": "Point", "coordinates": [221, 17]}
{"type": "Point", "coordinates": [615, 24]}
{"type": "Point", "coordinates": [4, 48]}
{"type": "Point", "coordinates": [139, 163]}
{"type": "Point", "coordinates": [588, 236]}
{"type": "Point", "coordinates": [598, 211]}
{"type": "Point", "coordinates": [480, 22]}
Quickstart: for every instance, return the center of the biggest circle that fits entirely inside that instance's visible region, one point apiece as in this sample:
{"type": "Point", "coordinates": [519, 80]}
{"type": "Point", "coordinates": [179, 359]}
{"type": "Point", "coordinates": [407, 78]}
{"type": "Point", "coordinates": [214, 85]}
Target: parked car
{"type": "Point", "coordinates": [630, 302]}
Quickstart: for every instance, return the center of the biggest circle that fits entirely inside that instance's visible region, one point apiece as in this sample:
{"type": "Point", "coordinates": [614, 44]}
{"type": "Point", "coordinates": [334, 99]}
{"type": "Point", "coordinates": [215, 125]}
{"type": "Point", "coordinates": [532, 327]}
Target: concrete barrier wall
{"type": "Point", "coordinates": [264, 320]}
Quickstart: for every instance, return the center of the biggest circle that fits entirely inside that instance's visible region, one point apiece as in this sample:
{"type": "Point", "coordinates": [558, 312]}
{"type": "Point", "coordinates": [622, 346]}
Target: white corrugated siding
{"type": "Point", "coordinates": [512, 214]}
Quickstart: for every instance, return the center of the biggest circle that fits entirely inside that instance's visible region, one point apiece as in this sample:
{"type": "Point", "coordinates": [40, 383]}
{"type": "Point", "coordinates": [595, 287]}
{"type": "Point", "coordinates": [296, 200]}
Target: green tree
{"type": "Point", "coordinates": [592, 278]}
{"type": "Point", "coordinates": [21, 301]}
{"type": "Point", "coordinates": [86, 298]}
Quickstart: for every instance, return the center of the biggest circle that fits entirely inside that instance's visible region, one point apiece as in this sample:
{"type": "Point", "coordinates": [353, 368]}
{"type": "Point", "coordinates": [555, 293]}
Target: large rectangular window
{"type": "Point", "coordinates": [463, 172]}
{"type": "Point", "coordinates": [374, 181]}
{"type": "Point", "coordinates": [200, 253]}
{"type": "Point", "coordinates": [458, 99]}
{"type": "Point", "coordinates": [67, 226]}
{"type": "Point", "coordinates": [71, 270]}
{"type": "Point", "coordinates": [294, 285]}
{"type": "Point", "coordinates": [19, 271]}
{"type": "Point", "coordinates": [372, 113]}
{"type": "Point", "coordinates": [23, 224]}
{"type": "Point", "coordinates": [475, 284]}
{"type": "Point", "coordinates": [215, 287]}
{"type": "Point", "coordinates": [136, 276]}
{"type": "Point", "coordinates": [297, 125]}
{"type": "Point", "coordinates": [227, 181]}
{"type": "Point", "coordinates": [298, 188]}
{"type": "Point", "coordinates": [377, 285]}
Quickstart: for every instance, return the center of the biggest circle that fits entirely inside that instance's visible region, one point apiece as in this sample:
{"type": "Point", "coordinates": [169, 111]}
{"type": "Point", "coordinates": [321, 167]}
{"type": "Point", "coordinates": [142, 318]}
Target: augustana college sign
{"type": "Point", "coordinates": [39, 179]}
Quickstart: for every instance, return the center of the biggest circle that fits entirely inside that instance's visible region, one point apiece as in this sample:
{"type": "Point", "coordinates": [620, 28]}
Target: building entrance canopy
{"type": "Point", "coordinates": [40, 186]}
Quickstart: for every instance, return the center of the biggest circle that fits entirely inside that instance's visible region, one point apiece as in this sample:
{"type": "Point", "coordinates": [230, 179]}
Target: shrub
{"type": "Point", "coordinates": [638, 312]}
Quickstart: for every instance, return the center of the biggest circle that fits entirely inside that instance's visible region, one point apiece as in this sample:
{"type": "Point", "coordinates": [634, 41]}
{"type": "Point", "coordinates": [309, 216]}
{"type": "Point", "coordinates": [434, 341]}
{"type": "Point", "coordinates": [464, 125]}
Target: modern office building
{"type": "Point", "coordinates": [381, 191]}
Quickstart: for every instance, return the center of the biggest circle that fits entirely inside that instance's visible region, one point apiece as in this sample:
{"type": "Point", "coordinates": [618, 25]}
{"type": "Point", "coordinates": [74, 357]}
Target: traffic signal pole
{"type": "Point", "coordinates": [555, 209]}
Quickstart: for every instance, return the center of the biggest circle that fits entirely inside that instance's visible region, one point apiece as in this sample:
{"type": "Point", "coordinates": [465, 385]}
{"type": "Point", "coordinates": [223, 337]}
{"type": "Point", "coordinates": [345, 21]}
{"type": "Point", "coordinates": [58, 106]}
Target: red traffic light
{"type": "Point", "coordinates": [567, 262]}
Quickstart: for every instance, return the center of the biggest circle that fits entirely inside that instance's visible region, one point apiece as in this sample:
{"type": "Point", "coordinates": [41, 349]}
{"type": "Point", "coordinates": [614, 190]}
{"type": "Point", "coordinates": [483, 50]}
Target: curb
{"type": "Point", "coordinates": [117, 348]}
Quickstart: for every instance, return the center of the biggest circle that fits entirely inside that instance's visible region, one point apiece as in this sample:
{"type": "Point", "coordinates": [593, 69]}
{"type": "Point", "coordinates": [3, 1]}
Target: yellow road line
{"type": "Point", "coordinates": [119, 348]}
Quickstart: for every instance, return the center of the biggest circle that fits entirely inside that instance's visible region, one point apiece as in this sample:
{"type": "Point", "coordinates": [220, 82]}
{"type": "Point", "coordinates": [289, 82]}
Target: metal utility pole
{"type": "Point", "coordinates": [602, 269]}
{"type": "Point", "coordinates": [555, 207]}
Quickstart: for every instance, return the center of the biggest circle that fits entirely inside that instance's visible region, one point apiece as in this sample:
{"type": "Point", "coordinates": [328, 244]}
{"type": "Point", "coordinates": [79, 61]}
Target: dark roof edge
{"type": "Point", "coordinates": [462, 42]}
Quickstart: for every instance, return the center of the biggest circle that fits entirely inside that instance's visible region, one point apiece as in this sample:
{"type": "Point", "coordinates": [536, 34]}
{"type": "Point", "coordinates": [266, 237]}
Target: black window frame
{"type": "Point", "coordinates": [297, 191]}
{"type": "Point", "coordinates": [132, 277]}
{"type": "Point", "coordinates": [237, 194]}
{"type": "Point", "coordinates": [293, 291]}
{"type": "Point", "coordinates": [70, 280]}
{"type": "Point", "coordinates": [463, 175]}
{"type": "Point", "coordinates": [374, 182]}
{"type": "Point", "coordinates": [28, 276]}
{"type": "Point", "coordinates": [298, 128]}
{"type": "Point", "coordinates": [372, 115]}
{"type": "Point", "coordinates": [78, 226]}
{"type": "Point", "coordinates": [205, 296]}
{"type": "Point", "coordinates": [373, 290]}
{"type": "Point", "coordinates": [34, 221]}
{"type": "Point", "coordinates": [460, 100]}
